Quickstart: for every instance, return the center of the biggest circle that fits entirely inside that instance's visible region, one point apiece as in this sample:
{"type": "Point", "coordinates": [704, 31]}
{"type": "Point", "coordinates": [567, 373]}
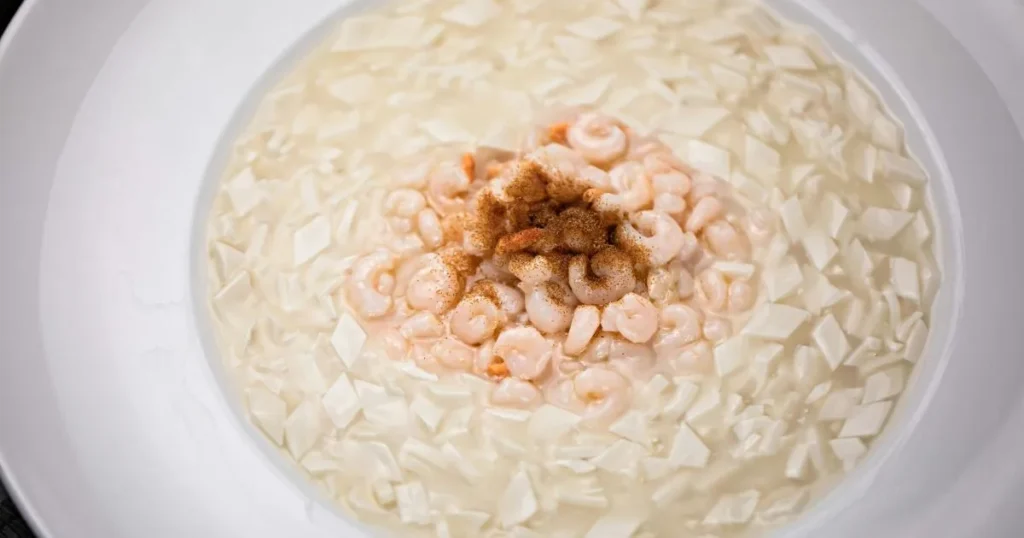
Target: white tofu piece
{"type": "Point", "coordinates": [708, 158]}
{"type": "Point", "coordinates": [693, 121]}
{"type": "Point", "coordinates": [916, 341]}
{"type": "Point", "coordinates": [819, 293]}
{"type": "Point", "coordinates": [681, 400]}
{"type": "Point", "coordinates": [836, 214]}
{"type": "Point", "coordinates": [634, 8]}
{"type": "Point", "coordinates": [790, 57]}
{"type": "Point", "coordinates": [243, 192]}
{"type": "Point", "coordinates": [445, 132]}
{"type": "Point", "coordinates": [415, 453]}
{"type": "Point", "coordinates": [762, 160]}
{"type": "Point", "coordinates": [615, 526]}
{"type": "Point", "coordinates": [818, 392]}
{"type": "Point", "coordinates": [864, 162]}
{"type": "Point", "coordinates": [839, 404]}
{"type": "Point", "coordinates": [783, 280]}
{"type": "Point", "coordinates": [857, 261]}
{"type": "Point", "coordinates": [866, 420]}
{"type": "Point", "coordinates": [391, 414]}
{"type": "Point", "coordinates": [549, 423]}
{"type": "Point", "coordinates": [413, 503]}
{"type": "Point", "coordinates": [904, 277]}
{"type": "Point", "coordinates": [595, 28]}
{"type": "Point", "coordinates": [348, 339]}
{"type": "Point", "coordinates": [820, 248]}
{"type": "Point", "coordinates": [577, 466]}
{"type": "Point", "coordinates": [229, 260]}
{"type": "Point", "coordinates": [587, 94]}
{"type": "Point", "coordinates": [353, 89]}
{"type": "Point", "coordinates": [796, 463]}
{"type": "Point", "coordinates": [880, 224]}
{"type": "Point", "coordinates": [456, 459]}
{"type": "Point", "coordinates": [883, 385]}
{"type": "Point", "coordinates": [657, 468]}
{"type": "Point", "coordinates": [714, 30]}
{"type": "Point", "coordinates": [849, 451]}
{"type": "Point", "coordinates": [886, 133]}
{"type": "Point", "coordinates": [902, 193]}
{"type": "Point", "coordinates": [376, 32]}
{"type": "Point", "coordinates": [622, 457]}
{"type": "Point", "coordinates": [518, 503]}
{"type": "Point", "coordinates": [634, 426]}
{"type": "Point", "coordinates": [775, 321]}
{"type": "Point", "coordinates": [901, 168]}
{"type": "Point", "coordinates": [341, 402]}
{"type": "Point", "coordinates": [920, 230]}
{"type": "Point", "coordinates": [574, 48]}
{"type": "Point", "coordinates": [783, 504]}
{"type": "Point", "coordinates": [472, 13]}
{"type": "Point", "coordinates": [379, 462]}
{"type": "Point", "coordinates": [666, 69]}
{"type": "Point", "coordinates": [269, 412]}
{"type": "Point", "coordinates": [236, 291]}
{"type": "Point", "coordinates": [429, 413]}
{"type": "Point", "coordinates": [808, 365]}
{"type": "Point", "coordinates": [733, 509]}
{"type": "Point", "coordinates": [670, 490]}
{"type": "Point", "coordinates": [303, 428]}
{"type": "Point", "coordinates": [731, 354]}
{"type": "Point", "coordinates": [467, 522]}
{"type": "Point", "coordinates": [832, 341]}
{"type": "Point", "coordinates": [793, 219]}
{"type": "Point", "coordinates": [709, 400]}
{"type": "Point", "coordinates": [861, 101]}
{"type": "Point", "coordinates": [370, 394]}
{"type": "Point", "coordinates": [688, 450]}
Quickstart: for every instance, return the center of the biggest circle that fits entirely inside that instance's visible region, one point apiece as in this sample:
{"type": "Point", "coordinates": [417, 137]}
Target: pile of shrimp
{"type": "Point", "coordinates": [565, 273]}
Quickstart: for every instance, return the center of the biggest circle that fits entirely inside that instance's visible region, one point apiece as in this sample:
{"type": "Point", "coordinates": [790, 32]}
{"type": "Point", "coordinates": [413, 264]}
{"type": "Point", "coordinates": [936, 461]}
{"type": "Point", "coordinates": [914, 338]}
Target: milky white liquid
{"type": "Point", "coordinates": [335, 137]}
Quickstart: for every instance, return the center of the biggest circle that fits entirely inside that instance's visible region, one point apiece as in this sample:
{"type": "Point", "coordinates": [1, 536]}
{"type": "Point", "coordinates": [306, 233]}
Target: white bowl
{"type": "Point", "coordinates": [113, 117]}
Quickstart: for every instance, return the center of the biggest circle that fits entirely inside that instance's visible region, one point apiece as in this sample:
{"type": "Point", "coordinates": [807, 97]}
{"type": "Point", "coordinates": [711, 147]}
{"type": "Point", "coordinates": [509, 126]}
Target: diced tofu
{"type": "Point", "coordinates": [880, 224]}
{"type": "Point", "coordinates": [615, 526]}
{"type": "Point", "coordinates": [413, 504]}
{"type": "Point", "coordinates": [916, 341]}
{"type": "Point", "coordinates": [429, 413]}
{"type": "Point", "coordinates": [594, 28]}
{"type": "Point", "coordinates": [904, 277]}
{"type": "Point", "coordinates": [730, 355]}
{"type": "Point", "coordinates": [793, 219]}
{"type": "Point", "coordinates": [302, 429]}
{"type": "Point", "coordinates": [622, 457]}
{"type": "Point", "coordinates": [820, 248]}
{"type": "Point", "coordinates": [694, 121]}
{"type": "Point", "coordinates": [883, 385]}
{"type": "Point", "coordinates": [733, 509]}
{"type": "Point", "coordinates": [341, 402]}
{"type": "Point", "coordinates": [866, 420]}
{"type": "Point", "coordinates": [901, 168]}
{"type": "Point", "coordinates": [832, 341]}
{"type": "Point", "coordinates": [311, 240]}
{"type": "Point", "coordinates": [519, 502]}
{"type": "Point", "coordinates": [632, 425]}
{"type": "Point", "coordinates": [840, 404]}
{"type": "Point", "coordinates": [762, 160]}
{"type": "Point", "coordinates": [790, 57]}
{"type": "Point", "coordinates": [776, 321]}
{"type": "Point", "coordinates": [708, 158]}
{"type": "Point", "coordinates": [848, 451]}
{"type": "Point", "coordinates": [783, 280]}
{"type": "Point", "coordinates": [348, 339]}
{"type": "Point", "coordinates": [472, 13]}
{"type": "Point", "coordinates": [269, 412]}
{"type": "Point", "coordinates": [688, 450]}
{"type": "Point", "coordinates": [549, 423]}
{"type": "Point", "coordinates": [836, 214]}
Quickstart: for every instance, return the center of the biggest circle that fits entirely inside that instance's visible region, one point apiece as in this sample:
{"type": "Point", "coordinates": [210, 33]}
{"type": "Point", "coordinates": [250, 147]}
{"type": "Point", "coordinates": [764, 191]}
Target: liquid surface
{"type": "Point", "coordinates": [753, 360]}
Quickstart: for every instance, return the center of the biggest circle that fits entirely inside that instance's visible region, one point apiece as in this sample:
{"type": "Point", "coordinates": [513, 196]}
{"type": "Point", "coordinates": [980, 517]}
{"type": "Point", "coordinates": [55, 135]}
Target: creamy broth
{"type": "Point", "coordinates": [787, 378]}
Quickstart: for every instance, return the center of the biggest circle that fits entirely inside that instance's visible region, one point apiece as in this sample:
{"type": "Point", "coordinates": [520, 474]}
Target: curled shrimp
{"type": "Point", "coordinates": [632, 190]}
{"type": "Point", "coordinates": [563, 394]}
{"type": "Point", "coordinates": [558, 158]}
{"type": "Point", "coordinates": [475, 319]}
{"type": "Point", "coordinates": [371, 284]}
{"type": "Point", "coordinates": [602, 278]}
{"type": "Point", "coordinates": [585, 321]}
{"type": "Point", "coordinates": [706, 211]}
{"type": "Point", "coordinates": [633, 316]}
{"type": "Point", "coordinates": [536, 268]}
{"type": "Point", "coordinates": [725, 241]}
{"type": "Point", "coordinates": [598, 138]}
{"type": "Point", "coordinates": [697, 358]}
{"type": "Point", "coordinates": [670, 204]}
{"type": "Point", "coordinates": [422, 326]}
{"type": "Point", "coordinates": [760, 226]}
{"type": "Point", "coordinates": [690, 249]}
{"type": "Point", "coordinates": [660, 282]}
{"type": "Point", "coordinates": [509, 300]}
{"type": "Point", "coordinates": [656, 233]}
{"type": "Point", "coordinates": [685, 286]}
{"type": "Point", "coordinates": [713, 290]}
{"type": "Point", "coordinates": [741, 296]}
{"type": "Point", "coordinates": [515, 392]}
{"type": "Point", "coordinates": [717, 329]}
{"type": "Point", "coordinates": [681, 325]}
{"type": "Point", "coordinates": [605, 393]}
{"type": "Point", "coordinates": [524, 350]}
{"type": "Point", "coordinates": [599, 349]}
{"type": "Point", "coordinates": [453, 354]}
{"type": "Point", "coordinates": [436, 287]}
{"type": "Point", "coordinates": [404, 203]}
{"type": "Point", "coordinates": [447, 188]}
{"type": "Point", "coordinates": [428, 224]}
{"type": "Point", "coordinates": [549, 306]}
{"type": "Point", "coordinates": [632, 360]}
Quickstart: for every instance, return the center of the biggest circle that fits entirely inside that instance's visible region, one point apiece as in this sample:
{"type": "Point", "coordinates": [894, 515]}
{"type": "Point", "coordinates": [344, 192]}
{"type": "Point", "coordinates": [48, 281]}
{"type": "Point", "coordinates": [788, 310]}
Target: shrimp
{"type": "Point", "coordinates": [563, 394]}
{"type": "Point", "coordinates": [659, 284]}
{"type": "Point", "coordinates": [684, 283]}
{"type": "Point", "coordinates": [451, 353]}
{"type": "Point", "coordinates": [598, 138]}
{"type": "Point", "coordinates": [760, 226]}
{"type": "Point", "coordinates": [741, 296]}
{"type": "Point", "coordinates": [429, 226]}
{"type": "Point", "coordinates": [585, 321]}
{"type": "Point", "coordinates": [475, 319]}
{"type": "Point", "coordinates": [717, 329]}
{"type": "Point", "coordinates": [705, 186]}
{"type": "Point", "coordinates": [525, 352]}
{"type": "Point", "coordinates": [633, 316]}
{"type": "Point", "coordinates": [509, 299]}
{"type": "Point", "coordinates": [605, 393]}
{"type": "Point", "coordinates": [690, 248]}
{"type": "Point", "coordinates": [549, 306]}
{"type": "Point", "coordinates": [670, 204]}
{"type": "Point", "coordinates": [371, 284]}
{"type": "Point", "coordinates": [405, 244]}
{"type": "Point", "coordinates": [558, 159]}
{"type": "Point", "coordinates": [697, 358]}
{"type": "Point", "coordinates": [713, 290]}
{"type": "Point", "coordinates": [404, 203]}
{"type": "Point", "coordinates": [446, 189]}
{"type": "Point", "coordinates": [436, 287]}
{"type": "Point", "coordinates": [632, 190]}
{"type": "Point", "coordinates": [514, 392]}
{"type": "Point", "coordinates": [680, 326]}
{"type": "Point", "coordinates": [612, 276]}
{"type": "Point", "coordinates": [707, 210]}
{"type": "Point", "coordinates": [536, 268]}
{"type": "Point", "coordinates": [673, 182]}
{"type": "Point", "coordinates": [422, 326]}
{"type": "Point", "coordinates": [599, 350]}
{"type": "Point", "coordinates": [657, 233]}
{"type": "Point", "coordinates": [725, 241]}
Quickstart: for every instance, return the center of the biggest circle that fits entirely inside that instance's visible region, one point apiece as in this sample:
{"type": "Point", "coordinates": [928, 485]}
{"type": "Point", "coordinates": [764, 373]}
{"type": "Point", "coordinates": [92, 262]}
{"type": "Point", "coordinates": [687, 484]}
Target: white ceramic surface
{"type": "Point", "coordinates": [112, 421]}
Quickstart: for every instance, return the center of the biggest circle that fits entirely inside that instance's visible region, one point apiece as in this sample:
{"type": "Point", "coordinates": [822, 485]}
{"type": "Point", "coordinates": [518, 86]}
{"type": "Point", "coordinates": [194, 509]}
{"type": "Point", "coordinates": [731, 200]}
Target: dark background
{"type": "Point", "coordinates": [11, 523]}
